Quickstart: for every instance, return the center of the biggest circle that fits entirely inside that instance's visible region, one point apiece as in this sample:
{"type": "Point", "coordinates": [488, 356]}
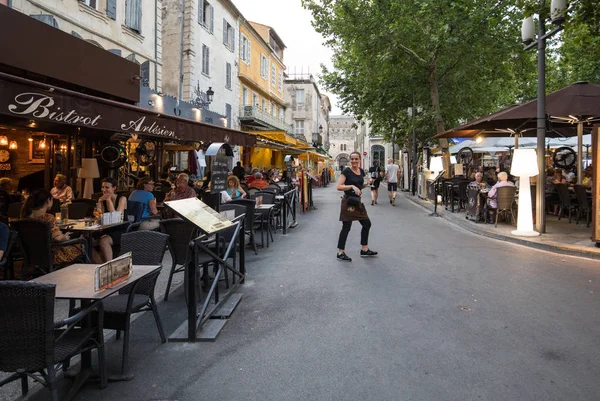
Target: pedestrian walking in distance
{"type": "Point", "coordinates": [391, 176]}
{"type": "Point", "coordinates": [376, 178]}
{"type": "Point", "coordinates": [351, 182]}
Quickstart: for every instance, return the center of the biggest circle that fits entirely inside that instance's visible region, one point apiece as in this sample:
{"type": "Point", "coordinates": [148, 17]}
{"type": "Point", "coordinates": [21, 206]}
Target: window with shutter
{"type": "Point", "coordinates": [212, 19]}
{"type": "Point", "coordinates": [111, 9]}
{"type": "Point", "coordinates": [228, 114]}
{"type": "Point", "coordinates": [228, 75]}
{"type": "Point", "coordinates": [225, 31]}
{"type": "Point", "coordinates": [273, 75]}
{"type": "Point", "coordinates": [233, 39]}
{"type": "Point", "coordinates": [46, 19]}
{"type": "Point", "coordinates": [201, 12]}
{"type": "Point", "coordinates": [205, 60]}
{"type": "Point", "coordinates": [133, 15]}
{"type": "Point", "coordinates": [145, 71]}
{"type": "Point", "coordinates": [115, 51]}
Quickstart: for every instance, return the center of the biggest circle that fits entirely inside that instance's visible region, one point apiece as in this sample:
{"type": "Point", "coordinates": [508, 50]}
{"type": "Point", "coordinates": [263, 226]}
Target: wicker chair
{"type": "Point", "coordinates": [505, 198]}
{"type": "Point", "coordinates": [584, 204]}
{"type": "Point", "coordinates": [147, 248]}
{"type": "Point", "coordinates": [6, 264]}
{"type": "Point", "coordinates": [35, 242]}
{"type": "Point", "coordinates": [566, 201]}
{"type": "Point", "coordinates": [31, 342]}
{"type": "Point", "coordinates": [249, 222]}
{"type": "Point", "coordinates": [180, 234]}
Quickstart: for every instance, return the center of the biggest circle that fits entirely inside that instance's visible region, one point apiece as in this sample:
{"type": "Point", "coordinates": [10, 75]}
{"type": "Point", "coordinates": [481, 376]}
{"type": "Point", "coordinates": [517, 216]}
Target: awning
{"type": "Point", "coordinates": [279, 136]}
{"type": "Point", "coordinates": [26, 100]}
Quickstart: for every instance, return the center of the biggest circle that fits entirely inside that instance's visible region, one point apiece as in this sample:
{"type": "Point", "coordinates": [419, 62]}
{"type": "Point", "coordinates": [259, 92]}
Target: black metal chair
{"type": "Point", "coordinates": [505, 198]}
{"type": "Point", "coordinates": [584, 204]}
{"type": "Point", "coordinates": [32, 342]}
{"type": "Point", "coordinates": [180, 234]}
{"type": "Point", "coordinates": [6, 264]}
{"type": "Point", "coordinates": [147, 248]}
{"type": "Point", "coordinates": [250, 205]}
{"type": "Point", "coordinates": [566, 200]}
{"type": "Point", "coordinates": [35, 242]}
{"type": "Point", "coordinates": [272, 215]}
{"type": "Point", "coordinates": [80, 210]}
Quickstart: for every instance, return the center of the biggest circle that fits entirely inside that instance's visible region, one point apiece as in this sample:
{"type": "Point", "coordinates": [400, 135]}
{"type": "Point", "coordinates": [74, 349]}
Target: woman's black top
{"type": "Point", "coordinates": [353, 179]}
{"type": "Point", "coordinates": [116, 204]}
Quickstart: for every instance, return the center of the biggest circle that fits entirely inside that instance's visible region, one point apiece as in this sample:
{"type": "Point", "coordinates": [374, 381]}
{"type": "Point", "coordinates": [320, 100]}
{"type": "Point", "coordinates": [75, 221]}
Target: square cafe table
{"type": "Point", "coordinates": [79, 227]}
{"type": "Point", "coordinates": [77, 282]}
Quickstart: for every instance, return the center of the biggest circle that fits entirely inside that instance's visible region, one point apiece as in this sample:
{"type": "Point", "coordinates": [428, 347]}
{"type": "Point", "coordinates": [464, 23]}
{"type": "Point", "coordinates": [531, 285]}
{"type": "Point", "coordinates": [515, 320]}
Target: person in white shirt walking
{"type": "Point", "coordinates": [391, 176]}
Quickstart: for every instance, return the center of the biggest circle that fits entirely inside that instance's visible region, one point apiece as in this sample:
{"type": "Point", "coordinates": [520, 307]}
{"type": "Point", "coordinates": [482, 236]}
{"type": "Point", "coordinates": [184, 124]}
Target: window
{"type": "Point", "coordinates": [205, 60]}
{"type": "Point", "coordinates": [299, 127]}
{"type": "Point", "coordinates": [244, 96]}
{"type": "Point", "coordinates": [264, 66]}
{"type": "Point", "coordinates": [299, 96]}
{"type": "Point", "coordinates": [254, 100]}
{"type": "Point", "coordinates": [281, 111]}
{"type": "Point", "coordinates": [111, 9]}
{"type": "Point", "coordinates": [228, 35]}
{"type": "Point", "coordinates": [273, 76]}
{"type": "Point", "coordinates": [273, 109]}
{"type": "Point", "coordinates": [206, 15]}
{"type": "Point", "coordinates": [343, 147]}
{"type": "Point", "coordinates": [228, 75]}
{"type": "Point", "coordinates": [90, 3]}
{"type": "Point", "coordinates": [245, 50]}
{"type": "Point", "coordinates": [280, 84]}
{"type": "Point", "coordinates": [263, 105]}
{"type": "Point", "coordinates": [133, 15]}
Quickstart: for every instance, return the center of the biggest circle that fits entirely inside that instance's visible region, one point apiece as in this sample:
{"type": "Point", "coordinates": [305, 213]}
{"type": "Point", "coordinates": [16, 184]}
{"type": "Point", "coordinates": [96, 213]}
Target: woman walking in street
{"type": "Point", "coordinates": [376, 178]}
{"type": "Point", "coordinates": [351, 182]}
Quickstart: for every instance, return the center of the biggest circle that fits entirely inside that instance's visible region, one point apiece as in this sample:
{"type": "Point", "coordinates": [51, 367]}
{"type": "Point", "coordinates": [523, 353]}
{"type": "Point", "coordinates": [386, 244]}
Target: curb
{"type": "Point", "coordinates": [472, 227]}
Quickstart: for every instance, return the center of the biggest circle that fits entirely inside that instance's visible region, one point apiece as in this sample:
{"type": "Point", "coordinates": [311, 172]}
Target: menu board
{"type": "Point", "coordinates": [219, 169]}
{"type": "Point", "coordinates": [113, 272]}
{"type": "Point", "coordinates": [199, 214]}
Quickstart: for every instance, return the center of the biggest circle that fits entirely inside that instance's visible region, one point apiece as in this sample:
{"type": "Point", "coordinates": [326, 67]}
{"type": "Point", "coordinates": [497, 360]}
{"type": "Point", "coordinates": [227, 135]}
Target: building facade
{"type": "Point", "coordinates": [308, 109]}
{"type": "Point", "coordinates": [201, 56]}
{"type": "Point", "coordinates": [343, 138]}
{"type": "Point", "coordinates": [261, 72]}
{"type": "Point", "coordinates": [130, 29]}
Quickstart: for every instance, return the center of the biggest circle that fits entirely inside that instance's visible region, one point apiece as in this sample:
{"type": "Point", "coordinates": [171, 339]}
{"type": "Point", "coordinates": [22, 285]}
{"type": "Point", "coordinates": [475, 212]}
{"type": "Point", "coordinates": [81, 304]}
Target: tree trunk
{"type": "Point", "coordinates": [439, 119]}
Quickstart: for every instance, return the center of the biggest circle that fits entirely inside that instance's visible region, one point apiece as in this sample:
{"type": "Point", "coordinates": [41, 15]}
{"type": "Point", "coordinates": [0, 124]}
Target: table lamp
{"type": "Point", "coordinates": [524, 165]}
{"type": "Point", "coordinates": [89, 171]}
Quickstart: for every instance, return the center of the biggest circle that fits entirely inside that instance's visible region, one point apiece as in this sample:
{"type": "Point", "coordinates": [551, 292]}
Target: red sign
{"type": "Point", "coordinates": [364, 153]}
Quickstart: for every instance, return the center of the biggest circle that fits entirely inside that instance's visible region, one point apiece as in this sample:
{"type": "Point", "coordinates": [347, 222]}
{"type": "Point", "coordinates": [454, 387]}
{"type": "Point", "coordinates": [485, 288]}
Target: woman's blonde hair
{"type": "Point", "coordinates": [234, 179]}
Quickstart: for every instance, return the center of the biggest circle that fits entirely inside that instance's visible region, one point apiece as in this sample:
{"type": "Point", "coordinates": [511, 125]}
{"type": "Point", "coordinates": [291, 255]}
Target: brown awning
{"type": "Point", "coordinates": [31, 100]}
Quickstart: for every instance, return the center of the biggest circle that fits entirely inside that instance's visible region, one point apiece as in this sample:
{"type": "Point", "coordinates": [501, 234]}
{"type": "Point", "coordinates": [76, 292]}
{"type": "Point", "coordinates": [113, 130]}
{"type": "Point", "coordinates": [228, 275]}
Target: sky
{"type": "Point", "coordinates": [304, 49]}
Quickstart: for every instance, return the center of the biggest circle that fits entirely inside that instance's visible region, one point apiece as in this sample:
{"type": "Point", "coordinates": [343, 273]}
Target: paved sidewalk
{"type": "Point", "coordinates": [561, 236]}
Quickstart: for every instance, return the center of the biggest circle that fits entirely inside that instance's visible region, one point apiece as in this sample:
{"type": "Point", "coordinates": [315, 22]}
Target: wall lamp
{"type": "Point", "coordinates": [201, 99]}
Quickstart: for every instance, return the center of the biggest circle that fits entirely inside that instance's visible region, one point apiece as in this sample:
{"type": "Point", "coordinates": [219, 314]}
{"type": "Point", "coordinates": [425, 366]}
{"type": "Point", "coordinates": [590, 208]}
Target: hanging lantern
{"type": "Point", "coordinates": [3, 140]}
{"type": "Point", "coordinates": [13, 145]}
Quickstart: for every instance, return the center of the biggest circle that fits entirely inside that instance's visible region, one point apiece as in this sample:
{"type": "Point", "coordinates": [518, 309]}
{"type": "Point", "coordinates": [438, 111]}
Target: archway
{"type": "Point", "coordinates": [342, 160]}
{"type": "Point", "coordinates": [378, 155]}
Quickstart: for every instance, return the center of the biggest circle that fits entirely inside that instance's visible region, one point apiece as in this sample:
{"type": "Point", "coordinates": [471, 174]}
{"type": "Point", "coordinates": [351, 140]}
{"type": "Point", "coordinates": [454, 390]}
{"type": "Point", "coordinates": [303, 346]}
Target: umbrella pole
{"type": "Point", "coordinates": [579, 152]}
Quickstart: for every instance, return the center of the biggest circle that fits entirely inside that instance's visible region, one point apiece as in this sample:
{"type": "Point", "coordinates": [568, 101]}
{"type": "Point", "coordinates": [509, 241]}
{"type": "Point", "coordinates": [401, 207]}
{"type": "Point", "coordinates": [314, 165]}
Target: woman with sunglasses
{"type": "Point", "coordinates": [351, 182]}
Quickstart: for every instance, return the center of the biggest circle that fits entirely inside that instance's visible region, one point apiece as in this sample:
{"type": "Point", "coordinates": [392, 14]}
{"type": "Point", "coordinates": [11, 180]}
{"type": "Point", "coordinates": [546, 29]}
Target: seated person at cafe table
{"type": "Point", "coordinates": [588, 181]}
{"type": "Point", "coordinates": [110, 201]}
{"type": "Point", "coordinates": [258, 181]}
{"type": "Point", "coordinates": [182, 189]}
{"type": "Point", "coordinates": [61, 191]}
{"type": "Point", "coordinates": [234, 190]}
{"type": "Point", "coordinates": [479, 183]}
{"type": "Point", "coordinates": [143, 194]}
{"type": "Point", "coordinates": [36, 206]}
{"type": "Point", "coordinates": [502, 182]}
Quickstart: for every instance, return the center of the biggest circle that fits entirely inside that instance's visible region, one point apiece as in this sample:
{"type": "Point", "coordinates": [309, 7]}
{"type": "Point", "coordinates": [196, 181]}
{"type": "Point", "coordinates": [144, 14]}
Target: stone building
{"type": "Point", "coordinates": [308, 109]}
{"type": "Point", "coordinates": [343, 138]}
{"type": "Point", "coordinates": [130, 29]}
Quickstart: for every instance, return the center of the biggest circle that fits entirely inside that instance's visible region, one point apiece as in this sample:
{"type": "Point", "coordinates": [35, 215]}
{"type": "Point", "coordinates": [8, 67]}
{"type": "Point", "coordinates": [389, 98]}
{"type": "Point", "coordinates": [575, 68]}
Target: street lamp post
{"type": "Point", "coordinates": [558, 10]}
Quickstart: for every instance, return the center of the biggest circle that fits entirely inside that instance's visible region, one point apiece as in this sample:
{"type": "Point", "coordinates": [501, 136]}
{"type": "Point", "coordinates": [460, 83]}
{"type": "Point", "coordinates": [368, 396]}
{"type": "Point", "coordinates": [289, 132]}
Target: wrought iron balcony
{"type": "Point", "coordinates": [260, 120]}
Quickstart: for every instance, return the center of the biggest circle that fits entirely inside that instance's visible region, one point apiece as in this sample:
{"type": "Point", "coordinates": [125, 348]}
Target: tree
{"type": "Point", "coordinates": [454, 58]}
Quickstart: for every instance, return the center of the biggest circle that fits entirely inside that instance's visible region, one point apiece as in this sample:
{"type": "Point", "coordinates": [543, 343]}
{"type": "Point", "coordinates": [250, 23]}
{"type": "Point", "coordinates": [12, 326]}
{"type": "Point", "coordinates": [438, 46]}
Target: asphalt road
{"type": "Point", "coordinates": [440, 314]}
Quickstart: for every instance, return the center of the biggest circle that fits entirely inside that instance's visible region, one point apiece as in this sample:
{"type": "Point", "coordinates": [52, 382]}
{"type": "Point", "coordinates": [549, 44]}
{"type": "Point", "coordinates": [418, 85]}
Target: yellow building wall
{"type": "Point", "coordinates": [264, 158]}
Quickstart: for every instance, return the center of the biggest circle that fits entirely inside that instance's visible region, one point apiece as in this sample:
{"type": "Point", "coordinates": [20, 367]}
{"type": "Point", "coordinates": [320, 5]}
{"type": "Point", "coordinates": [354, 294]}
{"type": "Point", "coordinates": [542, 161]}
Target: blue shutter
{"type": "Point", "coordinates": [225, 38]}
{"type": "Point", "coordinates": [233, 39]}
{"type": "Point", "coordinates": [133, 14]}
{"type": "Point", "coordinates": [212, 19]}
{"type": "Point", "coordinates": [115, 51]}
{"type": "Point", "coordinates": [111, 9]}
{"type": "Point", "coordinates": [145, 71]}
{"type": "Point", "coordinates": [228, 75]}
{"type": "Point", "coordinates": [228, 114]}
{"type": "Point", "coordinates": [139, 16]}
{"type": "Point", "coordinates": [76, 35]}
{"type": "Point", "coordinates": [201, 12]}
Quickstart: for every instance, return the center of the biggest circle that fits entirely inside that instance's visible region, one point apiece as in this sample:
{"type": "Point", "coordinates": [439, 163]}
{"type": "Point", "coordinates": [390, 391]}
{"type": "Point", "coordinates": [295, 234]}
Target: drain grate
{"type": "Point", "coordinates": [465, 309]}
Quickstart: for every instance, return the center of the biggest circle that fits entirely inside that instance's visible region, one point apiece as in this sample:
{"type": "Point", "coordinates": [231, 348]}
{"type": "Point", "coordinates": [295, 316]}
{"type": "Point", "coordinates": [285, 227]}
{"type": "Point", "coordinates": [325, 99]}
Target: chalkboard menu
{"type": "Point", "coordinates": [219, 168]}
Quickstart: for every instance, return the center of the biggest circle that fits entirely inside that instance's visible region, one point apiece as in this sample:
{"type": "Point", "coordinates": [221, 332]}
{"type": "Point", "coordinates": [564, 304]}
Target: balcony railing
{"type": "Point", "coordinates": [254, 113]}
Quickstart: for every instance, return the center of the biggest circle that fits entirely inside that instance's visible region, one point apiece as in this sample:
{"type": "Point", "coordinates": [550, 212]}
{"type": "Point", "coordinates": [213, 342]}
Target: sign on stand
{"type": "Point", "coordinates": [219, 168]}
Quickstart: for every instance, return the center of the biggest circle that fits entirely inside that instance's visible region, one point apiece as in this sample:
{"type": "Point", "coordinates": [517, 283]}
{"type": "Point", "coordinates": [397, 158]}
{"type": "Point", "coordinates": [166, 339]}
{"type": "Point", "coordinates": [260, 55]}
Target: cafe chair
{"type": "Point", "coordinates": [584, 204]}
{"type": "Point", "coordinates": [252, 191]}
{"type": "Point", "coordinates": [273, 216]}
{"type": "Point", "coordinates": [14, 210]}
{"type": "Point", "coordinates": [505, 198]}
{"type": "Point", "coordinates": [566, 201]}
{"type": "Point", "coordinates": [180, 234]}
{"type": "Point", "coordinates": [78, 211]}
{"type": "Point", "coordinates": [36, 245]}
{"type": "Point", "coordinates": [6, 264]}
{"type": "Point", "coordinates": [250, 206]}
{"type": "Point", "coordinates": [147, 248]}
{"type": "Point", "coordinates": [33, 345]}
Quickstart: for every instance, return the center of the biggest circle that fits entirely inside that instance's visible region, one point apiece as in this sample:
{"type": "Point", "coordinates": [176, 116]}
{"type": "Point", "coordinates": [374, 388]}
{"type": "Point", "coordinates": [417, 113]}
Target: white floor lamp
{"type": "Point", "coordinates": [524, 165]}
{"type": "Point", "coordinates": [89, 171]}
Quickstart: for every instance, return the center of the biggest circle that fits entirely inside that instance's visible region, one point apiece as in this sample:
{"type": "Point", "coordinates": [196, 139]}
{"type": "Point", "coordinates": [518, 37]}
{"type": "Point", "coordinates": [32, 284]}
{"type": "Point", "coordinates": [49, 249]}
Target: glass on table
{"type": "Point", "coordinates": [58, 219]}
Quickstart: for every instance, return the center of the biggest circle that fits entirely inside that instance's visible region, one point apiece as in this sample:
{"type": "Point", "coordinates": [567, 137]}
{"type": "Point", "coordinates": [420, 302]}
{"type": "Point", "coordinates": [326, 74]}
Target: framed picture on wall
{"type": "Point", "coordinates": [36, 155]}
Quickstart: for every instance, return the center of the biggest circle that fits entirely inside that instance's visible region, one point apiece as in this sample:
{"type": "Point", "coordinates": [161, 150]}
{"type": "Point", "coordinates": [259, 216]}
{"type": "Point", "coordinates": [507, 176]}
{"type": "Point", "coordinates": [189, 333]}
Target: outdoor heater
{"type": "Point", "coordinates": [524, 165]}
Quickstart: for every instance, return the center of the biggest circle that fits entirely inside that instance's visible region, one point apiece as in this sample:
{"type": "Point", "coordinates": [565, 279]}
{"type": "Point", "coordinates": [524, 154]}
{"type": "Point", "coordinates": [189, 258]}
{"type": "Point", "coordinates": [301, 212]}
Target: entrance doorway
{"type": "Point", "coordinates": [378, 155]}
